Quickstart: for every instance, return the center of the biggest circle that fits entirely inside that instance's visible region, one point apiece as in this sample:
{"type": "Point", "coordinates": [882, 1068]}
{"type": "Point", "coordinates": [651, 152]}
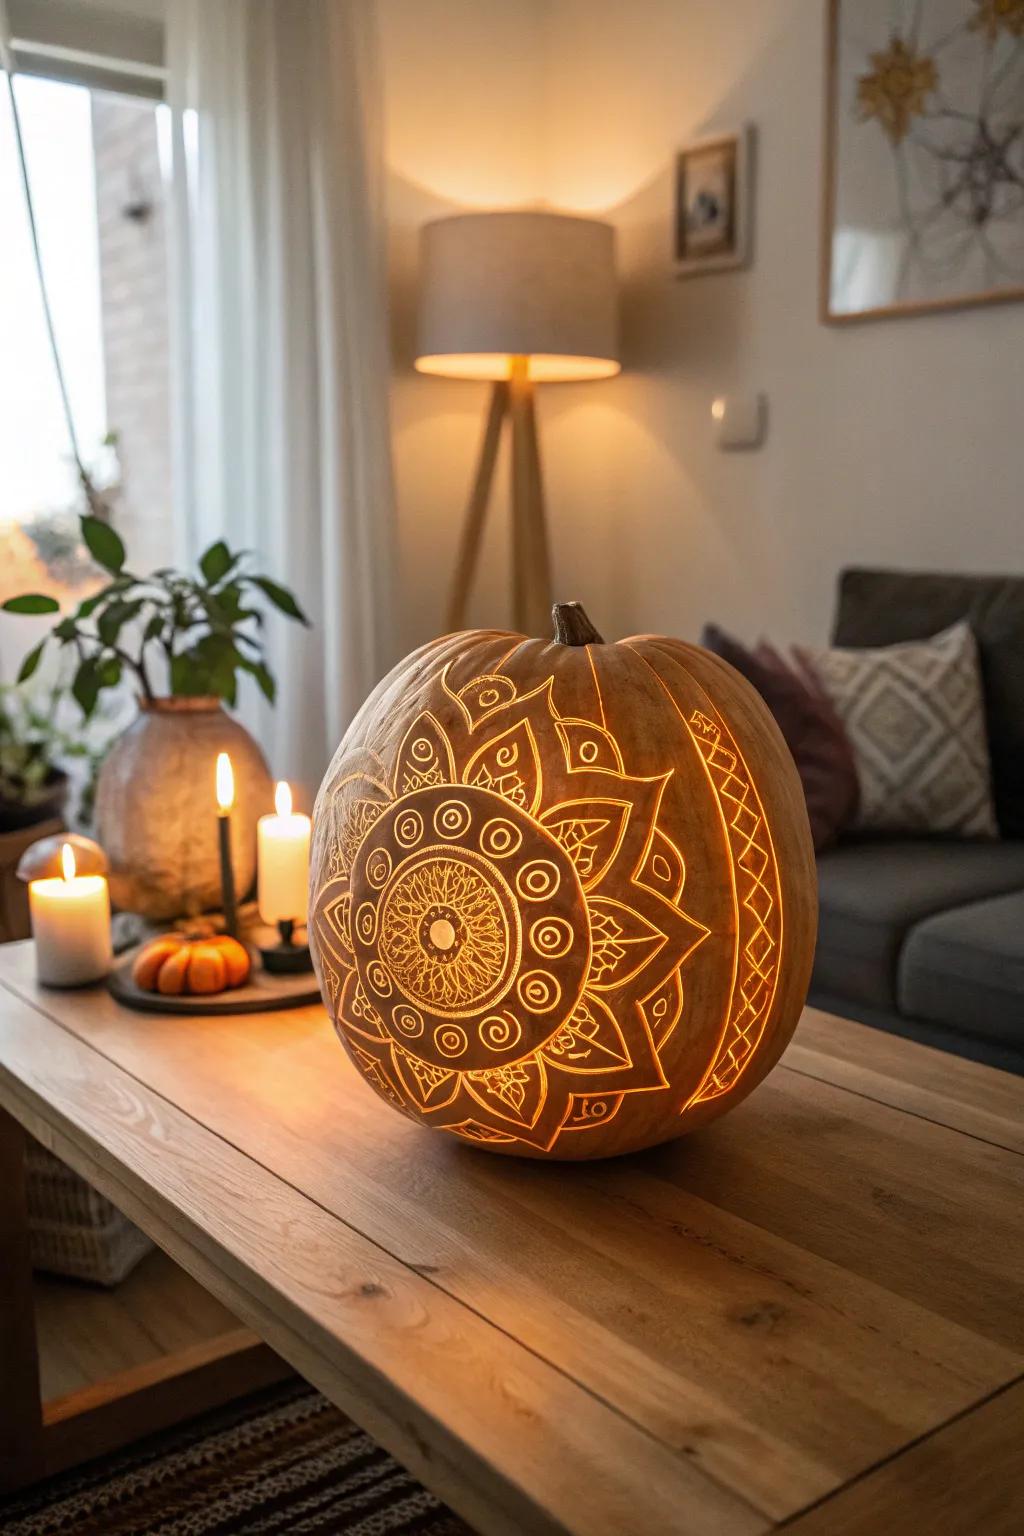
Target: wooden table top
{"type": "Point", "coordinates": [807, 1314]}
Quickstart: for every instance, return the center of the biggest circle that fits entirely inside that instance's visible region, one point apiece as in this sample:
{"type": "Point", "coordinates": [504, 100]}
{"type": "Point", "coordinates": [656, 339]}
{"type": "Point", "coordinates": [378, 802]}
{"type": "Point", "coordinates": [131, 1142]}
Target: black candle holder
{"type": "Point", "coordinates": [227, 875]}
{"type": "Point", "coordinates": [286, 958]}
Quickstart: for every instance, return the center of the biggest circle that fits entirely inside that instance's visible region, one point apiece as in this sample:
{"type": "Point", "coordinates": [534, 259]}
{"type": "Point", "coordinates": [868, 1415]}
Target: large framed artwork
{"type": "Point", "coordinates": [924, 182]}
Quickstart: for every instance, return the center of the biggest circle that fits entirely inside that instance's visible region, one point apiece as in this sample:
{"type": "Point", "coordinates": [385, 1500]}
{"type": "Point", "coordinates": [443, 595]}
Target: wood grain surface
{"type": "Point", "coordinates": [88, 1333]}
{"type": "Point", "coordinates": [741, 1324]}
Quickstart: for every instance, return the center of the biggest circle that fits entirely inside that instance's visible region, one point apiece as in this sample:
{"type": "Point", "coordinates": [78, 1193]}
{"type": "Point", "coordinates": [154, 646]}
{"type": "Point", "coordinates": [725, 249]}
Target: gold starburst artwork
{"type": "Point", "coordinates": [897, 88]}
{"type": "Point", "coordinates": [995, 16]}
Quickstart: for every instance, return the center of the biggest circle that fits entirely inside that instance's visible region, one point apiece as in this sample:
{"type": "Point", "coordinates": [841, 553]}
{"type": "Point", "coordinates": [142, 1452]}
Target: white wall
{"type": "Point", "coordinates": [896, 441]}
{"type": "Point", "coordinates": [463, 130]}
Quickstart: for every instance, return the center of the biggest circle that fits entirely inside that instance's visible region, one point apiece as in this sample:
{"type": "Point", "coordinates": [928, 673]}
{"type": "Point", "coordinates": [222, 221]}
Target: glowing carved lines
{"type": "Point", "coordinates": [587, 1110]}
{"type": "Point", "coordinates": [589, 746]}
{"type": "Point", "coordinates": [749, 845]}
{"type": "Point", "coordinates": [431, 1087]}
{"type": "Point", "coordinates": [591, 832]}
{"type": "Point", "coordinates": [624, 942]}
{"type": "Point", "coordinates": [453, 891]}
{"type": "Point", "coordinates": [517, 1092]}
{"type": "Point", "coordinates": [589, 1041]}
{"type": "Point", "coordinates": [494, 831]}
{"type": "Point", "coordinates": [509, 765]}
{"type": "Point", "coordinates": [424, 758]}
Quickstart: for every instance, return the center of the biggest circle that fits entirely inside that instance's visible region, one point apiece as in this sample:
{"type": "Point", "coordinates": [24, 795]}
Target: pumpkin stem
{"type": "Point", "coordinates": [572, 627]}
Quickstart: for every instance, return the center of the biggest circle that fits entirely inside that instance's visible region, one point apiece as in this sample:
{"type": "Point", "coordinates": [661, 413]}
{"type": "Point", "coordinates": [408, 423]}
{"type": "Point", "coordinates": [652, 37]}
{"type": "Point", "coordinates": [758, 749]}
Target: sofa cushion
{"type": "Point", "coordinates": [915, 717]}
{"type": "Point", "coordinates": [965, 969]}
{"type": "Point", "coordinates": [873, 892]}
{"type": "Point", "coordinates": [883, 607]}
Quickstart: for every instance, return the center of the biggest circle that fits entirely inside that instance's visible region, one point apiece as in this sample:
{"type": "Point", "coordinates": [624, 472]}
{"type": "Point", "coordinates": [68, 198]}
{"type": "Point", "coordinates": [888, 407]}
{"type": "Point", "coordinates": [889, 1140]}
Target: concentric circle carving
{"type": "Point", "coordinates": [366, 922]}
{"type": "Point", "coordinates": [501, 838]}
{"type": "Point", "coordinates": [408, 1021]}
{"type": "Point", "coordinates": [440, 944]}
{"type": "Point", "coordinates": [538, 880]}
{"type": "Point", "coordinates": [451, 819]}
{"type": "Point", "coordinates": [450, 1040]}
{"type": "Point", "coordinates": [551, 937]}
{"type": "Point", "coordinates": [538, 991]}
{"type": "Point", "coordinates": [408, 828]}
{"type": "Point", "coordinates": [378, 868]}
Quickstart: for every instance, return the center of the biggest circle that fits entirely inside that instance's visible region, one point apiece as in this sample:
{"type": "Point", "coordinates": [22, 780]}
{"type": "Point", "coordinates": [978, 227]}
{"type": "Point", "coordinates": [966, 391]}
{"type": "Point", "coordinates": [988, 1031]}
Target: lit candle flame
{"type": "Point", "coordinates": [283, 799]}
{"type": "Point", "coordinates": [67, 861]}
{"type": "Point", "coordinates": [225, 784]}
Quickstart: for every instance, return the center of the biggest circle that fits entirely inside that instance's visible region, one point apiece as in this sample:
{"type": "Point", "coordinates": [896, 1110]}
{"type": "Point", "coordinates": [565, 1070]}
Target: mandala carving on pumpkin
{"type": "Point", "coordinates": [501, 935]}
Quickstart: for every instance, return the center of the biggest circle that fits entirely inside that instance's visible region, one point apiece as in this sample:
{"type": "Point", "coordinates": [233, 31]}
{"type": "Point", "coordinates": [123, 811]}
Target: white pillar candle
{"type": "Point", "coordinates": [71, 926]}
{"type": "Point", "coordinates": [282, 846]}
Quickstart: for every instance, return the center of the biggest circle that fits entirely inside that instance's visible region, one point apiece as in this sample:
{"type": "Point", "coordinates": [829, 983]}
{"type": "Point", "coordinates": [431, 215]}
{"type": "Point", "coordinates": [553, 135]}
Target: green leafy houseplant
{"type": "Point", "coordinates": [36, 752]}
{"type": "Point", "coordinates": [205, 628]}
{"type": "Point", "coordinates": [29, 744]}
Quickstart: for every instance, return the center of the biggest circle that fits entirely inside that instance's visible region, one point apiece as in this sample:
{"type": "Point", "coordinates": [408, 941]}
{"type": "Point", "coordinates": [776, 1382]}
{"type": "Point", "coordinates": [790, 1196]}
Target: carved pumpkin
{"type": "Point", "coordinates": [562, 895]}
{"type": "Point", "coordinates": [176, 963]}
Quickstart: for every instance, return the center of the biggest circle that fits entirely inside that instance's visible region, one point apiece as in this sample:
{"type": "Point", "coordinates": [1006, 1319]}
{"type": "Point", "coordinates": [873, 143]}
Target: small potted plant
{"type": "Point", "coordinates": [184, 641]}
{"type": "Point", "coordinates": [33, 788]}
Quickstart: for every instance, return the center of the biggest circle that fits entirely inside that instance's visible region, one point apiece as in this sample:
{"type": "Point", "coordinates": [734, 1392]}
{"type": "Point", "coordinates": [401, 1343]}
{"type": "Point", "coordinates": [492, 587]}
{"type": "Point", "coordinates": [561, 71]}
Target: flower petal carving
{"type": "Point", "coordinates": [430, 1087]}
{"type": "Point", "coordinates": [589, 746]}
{"type": "Point", "coordinates": [356, 803]}
{"type": "Point", "coordinates": [623, 943]}
{"type": "Point", "coordinates": [662, 1007]}
{"type": "Point", "coordinates": [515, 1092]}
{"type": "Point", "coordinates": [509, 765]}
{"type": "Point", "coordinates": [484, 694]}
{"type": "Point", "coordinates": [424, 758]}
{"type": "Point", "coordinates": [589, 1041]}
{"type": "Point", "coordinates": [591, 832]}
{"type": "Point", "coordinates": [335, 912]}
{"type": "Point", "coordinates": [587, 1110]}
{"type": "Point", "coordinates": [663, 867]}
{"type": "Point", "coordinates": [357, 1012]}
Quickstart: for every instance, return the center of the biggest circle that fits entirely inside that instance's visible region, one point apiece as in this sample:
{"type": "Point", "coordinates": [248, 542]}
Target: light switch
{"type": "Point", "coordinates": [740, 420]}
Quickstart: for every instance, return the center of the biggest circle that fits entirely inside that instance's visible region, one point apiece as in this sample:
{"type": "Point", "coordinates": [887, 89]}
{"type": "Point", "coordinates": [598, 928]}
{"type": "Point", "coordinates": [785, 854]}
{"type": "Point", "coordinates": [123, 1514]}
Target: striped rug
{"type": "Point", "coordinates": [283, 1463]}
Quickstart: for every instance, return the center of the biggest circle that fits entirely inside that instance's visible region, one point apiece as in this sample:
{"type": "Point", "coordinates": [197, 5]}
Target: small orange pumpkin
{"type": "Point", "coordinates": [175, 963]}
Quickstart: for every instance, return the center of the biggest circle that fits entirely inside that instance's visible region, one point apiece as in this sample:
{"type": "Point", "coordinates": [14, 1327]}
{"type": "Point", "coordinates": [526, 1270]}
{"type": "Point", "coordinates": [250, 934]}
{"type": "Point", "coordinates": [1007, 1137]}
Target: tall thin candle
{"type": "Point", "coordinates": [225, 800]}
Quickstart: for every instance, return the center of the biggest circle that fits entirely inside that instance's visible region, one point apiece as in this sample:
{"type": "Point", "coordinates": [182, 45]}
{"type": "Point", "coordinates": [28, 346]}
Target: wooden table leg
{"type": "Point", "coordinates": [21, 1409]}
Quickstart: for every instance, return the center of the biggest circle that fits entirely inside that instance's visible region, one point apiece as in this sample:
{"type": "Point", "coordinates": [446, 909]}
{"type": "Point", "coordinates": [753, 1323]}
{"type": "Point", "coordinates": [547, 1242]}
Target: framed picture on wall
{"type": "Point", "coordinates": [924, 173]}
{"type": "Point", "coordinates": [712, 214]}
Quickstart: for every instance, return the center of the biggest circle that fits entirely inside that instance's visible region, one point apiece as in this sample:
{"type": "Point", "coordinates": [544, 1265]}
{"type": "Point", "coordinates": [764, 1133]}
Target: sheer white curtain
{"type": "Point", "coordinates": [282, 439]}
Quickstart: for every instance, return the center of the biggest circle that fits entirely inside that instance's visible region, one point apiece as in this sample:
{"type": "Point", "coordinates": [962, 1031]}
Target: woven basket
{"type": "Point", "coordinates": [72, 1229]}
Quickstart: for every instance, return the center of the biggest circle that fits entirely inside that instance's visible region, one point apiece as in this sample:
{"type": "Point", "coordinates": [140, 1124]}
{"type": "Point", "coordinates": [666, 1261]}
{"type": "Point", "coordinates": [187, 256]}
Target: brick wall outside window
{"type": "Point", "coordinates": [133, 278]}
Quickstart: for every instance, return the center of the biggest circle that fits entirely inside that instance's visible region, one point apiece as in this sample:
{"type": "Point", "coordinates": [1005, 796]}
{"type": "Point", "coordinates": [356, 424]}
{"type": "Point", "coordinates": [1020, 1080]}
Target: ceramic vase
{"type": "Point", "coordinates": [156, 813]}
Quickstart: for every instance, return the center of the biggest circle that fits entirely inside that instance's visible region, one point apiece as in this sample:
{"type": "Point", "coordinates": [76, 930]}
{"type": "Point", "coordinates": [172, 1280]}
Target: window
{"type": "Point", "coordinates": [94, 168]}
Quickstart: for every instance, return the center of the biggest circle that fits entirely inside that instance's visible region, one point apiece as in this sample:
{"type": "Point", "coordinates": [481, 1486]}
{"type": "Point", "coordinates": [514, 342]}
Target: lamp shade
{"type": "Point", "coordinates": [541, 286]}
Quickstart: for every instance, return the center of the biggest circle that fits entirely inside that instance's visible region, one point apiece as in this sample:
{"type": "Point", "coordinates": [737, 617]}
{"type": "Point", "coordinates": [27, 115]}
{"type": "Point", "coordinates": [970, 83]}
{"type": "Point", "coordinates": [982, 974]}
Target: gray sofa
{"type": "Point", "coordinates": [925, 937]}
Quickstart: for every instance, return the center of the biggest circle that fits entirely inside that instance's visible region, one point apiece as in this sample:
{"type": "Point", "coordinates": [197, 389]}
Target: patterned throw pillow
{"type": "Point", "coordinates": [915, 717]}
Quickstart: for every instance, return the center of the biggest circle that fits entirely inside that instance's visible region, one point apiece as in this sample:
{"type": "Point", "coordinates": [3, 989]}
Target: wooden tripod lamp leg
{"type": "Point", "coordinates": [519, 516]}
{"type": "Point", "coordinates": [542, 596]}
{"type": "Point", "coordinates": [531, 566]}
{"type": "Point", "coordinates": [469, 548]}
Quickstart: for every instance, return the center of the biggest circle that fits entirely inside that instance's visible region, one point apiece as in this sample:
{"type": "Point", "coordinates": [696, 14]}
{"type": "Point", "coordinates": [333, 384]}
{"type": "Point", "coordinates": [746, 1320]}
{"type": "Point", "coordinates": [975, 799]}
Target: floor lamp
{"type": "Point", "coordinates": [517, 298]}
